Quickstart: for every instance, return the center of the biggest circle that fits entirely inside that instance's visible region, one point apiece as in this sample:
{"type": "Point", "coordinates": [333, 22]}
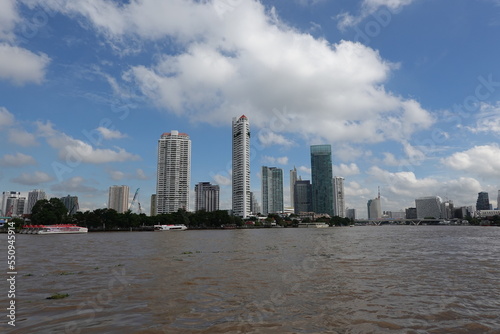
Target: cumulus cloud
{"type": "Point", "coordinates": [480, 160]}
{"type": "Point", "coordinates": [345, 170]}
{"type": "Point", "coordinates": [242, 59]}
{"type": "Point", "coordinates": [22, 137]}
{"type": "Point", "coordinates": [6, 118]}
{"type": "Point", "coordinates": [488, 119]}
{"type": "Point", "coordinates": [275, 160]}
{"type": "Point", "coordinates": [268, 138]}
{"type": "Point", "coordinates": [222, 180]}
{"type": "Point", "coordinates": [79, 151]}
{"type": "Point", "coordinates": [107, 133]}
{"type": "Point", "coordinates": [32, 179]}
{"type": "Point", "coordinates": [17, 160]}
{"type": "Point", "coordinates": [119, 175]}
{"type": "Point", "coordinates": [22, 66]}
{"type": "Point", "coordinates": [74, 184]}
{"type": "Point", "coordinates": [8, 19]}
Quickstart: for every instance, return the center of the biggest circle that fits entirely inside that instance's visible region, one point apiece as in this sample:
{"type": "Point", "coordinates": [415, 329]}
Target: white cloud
{"type": "Point", "coordinates": [119, 175]}
{"type": "Point", "coordinates": [74, 184]}
{"type": "Point", "coordinates": [8, 19]}
{"type": "Point", "coordinates": [17, 160]}
{"type": "Point", "coordinates": [481, 160]}
{"type": "Point", "coordinates": [354, 189]}
{"type": "Point", "coordinates": [345, 170]}
{"type": "Point", "coordinates": [80, 151]}
{"type": "Point", "coordinates": [107, 133]}
{"type": "Point", "coordinates": [370, 7]}
{"type": "Point", "coordinates": [22, 66]}
{"type": "Point", "coordinates": [222, 180]}
{"type": "Point", "coordinates": [304, 169]}
{"type": "Point", "coordinates": [488, 119]}
{"type": "Point", "coordinates": [275, 160]}
{"type": "Point", "coordinates": [268, 138]}
{"type": "Point", "coordinates": [244, 60]}
{"type": "Point", "coordinates": [6, 118]}
{"type": "Point", "coordinates": [22, 137]}
{"type": "Point", "coordinates": [32, 179]}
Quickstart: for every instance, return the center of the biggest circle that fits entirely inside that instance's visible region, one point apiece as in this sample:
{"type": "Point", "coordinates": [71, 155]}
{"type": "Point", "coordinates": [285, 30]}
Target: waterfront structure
{"type": "Point", "coordinates": [350, 213]}
{"type": "Point", "coordinates": [71, 203]}
{"type": "Point", "coordinates": [118, 198]}
{"type": "Point", "coordinates": [272, 190]}
{"type": "Point", "coordinates": [428, 207]}
{"type": "Point", "coordinates": [411, 213]}
{"type": "Point", "coordinates": [293, 179]}
{"type": "Point", "coordinates": [483, 201]}
{"type": "Point", "coordinates": [206, 196]}
{"type": "Point", "coordinates": [173, 172]}
{"type": "Point", "coordinates": [302, 196]}
{"type": "Point", "coordinates": [374, 208]}
{"type": "Point", "coordinates": [33, 197]}
{"type": "Point", "coordinates": [321, 174]}
{"type": "Point", "coordinates": [338, 197]}
{"type": "Point", "coordinates": [241, 196]}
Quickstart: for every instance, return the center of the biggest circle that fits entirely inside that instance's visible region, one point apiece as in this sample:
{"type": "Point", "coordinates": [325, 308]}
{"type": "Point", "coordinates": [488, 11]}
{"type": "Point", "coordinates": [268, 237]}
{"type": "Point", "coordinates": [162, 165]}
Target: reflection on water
{"type": "Point", "coordinates": [388, 279]}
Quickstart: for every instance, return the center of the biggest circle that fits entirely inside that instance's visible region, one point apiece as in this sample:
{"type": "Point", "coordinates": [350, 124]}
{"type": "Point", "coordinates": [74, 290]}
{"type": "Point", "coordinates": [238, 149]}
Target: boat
{"type": "Point", "coordinates": [54, 229]}
{"type": "Point", "coordinates": [172, 227]}
{"type": "Point", "coordinates": [314, 225]}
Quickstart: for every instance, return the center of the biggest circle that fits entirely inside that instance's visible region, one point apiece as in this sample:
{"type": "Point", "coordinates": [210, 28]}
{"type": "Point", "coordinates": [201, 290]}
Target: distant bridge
{"type": "Point", "coordinates": [401, 221]}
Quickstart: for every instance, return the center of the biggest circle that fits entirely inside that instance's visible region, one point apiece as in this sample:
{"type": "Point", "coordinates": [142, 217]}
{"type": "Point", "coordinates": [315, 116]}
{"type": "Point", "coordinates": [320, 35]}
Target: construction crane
{"type": "Point", "coordinates": [136, 198]}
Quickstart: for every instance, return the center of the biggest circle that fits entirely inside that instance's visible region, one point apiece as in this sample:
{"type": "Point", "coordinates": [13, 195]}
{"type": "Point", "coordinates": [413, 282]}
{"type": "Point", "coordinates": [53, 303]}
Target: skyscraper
{"type": "Point", "coordinates": [206, 196]}
{"type": "Point", "coordinates": [272, 190]}
{"type": "Point", "coordinates": [241, 167]}
{"type": "Point", "coordinates": [321, 171]}
{"type": "Point", "coordinates": [118, 198]}
{"type": "Point", "coordinates": [374, 209]}
{"type": "Point", "coordinates": [338, 196]}
{"type": "Point", "coordinates": [429, 207]}
{"type": "Point", "coordinates": [302, 196]}
{"type": "Point", "coordinates": [173, 172]}
{"type": "Point", "coordinates": [498, 201]}
{"type": "Point", "coordinates": [483, 201]}
{"type": "Point", "coordinates": [71, 203]}
{"type": "Point", "coordinates": [5, 196]}
{"type": "Point", "coordinates": [293, 179]}
{"type": "Point", "coordinates": [33, 197]}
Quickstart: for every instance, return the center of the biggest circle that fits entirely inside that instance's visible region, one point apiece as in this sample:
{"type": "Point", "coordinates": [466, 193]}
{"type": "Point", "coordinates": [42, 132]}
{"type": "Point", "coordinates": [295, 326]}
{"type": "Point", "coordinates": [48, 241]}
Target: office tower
{"type": "Point", "coordinates": [206, 196]}
{"type": "Point", "coordinates": [411, 213]}
{"type": "Point", "coordinates": [6, 195]}
{"type": "Point", "coordinates": [293, 179]}
{"type": "Point", "coordinates": [71, 203]}
{"type": "Point", "coordinates": [272, 190]}
{"type": "Point", "coordinates": [483, 201]}
{"type": "Point", "coordinates": [338, 197]}
{"type": "Point", "coordinates": [14, 206]}
{"type": "Point", "coordinates": [428, 207]}
{"type": "Point", "coordinates": [350, 213]}
{"type": "Point", "coordinates": [302, 201]}
{"type": "Point", "coordinates": [152, 210]}
{"type": "Point", "coordinates": [254, 204]}
{"type": "Point", "coordinates": [33, 197]}
{"type": "Point", "coordinates": [374, 209]}
{"type": "Point", "coordinates": [241, 167]}
{"type": "Point", "coordinates": [173, 172]}
{"type": "Point", "coordinates": [321, 172]}
{"type": "Point", "coordinates": [118, 198]}
{"type": "Point", "coordinates": [447, 210]}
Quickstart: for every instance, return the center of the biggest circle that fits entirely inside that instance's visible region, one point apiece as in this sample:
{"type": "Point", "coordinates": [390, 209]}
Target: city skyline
{"type": "Point", "coordinates": [86, 94]}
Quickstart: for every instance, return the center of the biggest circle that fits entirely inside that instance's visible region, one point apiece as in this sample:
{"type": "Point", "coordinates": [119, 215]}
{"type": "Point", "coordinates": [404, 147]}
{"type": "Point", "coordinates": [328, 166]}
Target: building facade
{"type": "Point", "coordinates": [321, 173]}
{"type": "Point", "coordinates": [118, 198]}
{"type": "Point", "coordinates": [206, 196]}
{"type": "Point", "coordinates": [241, 196]}
{"type": "Point", "coordinates": [33, 197]}
{"type": "Point", "coordinates": [71, 203]}
{"type": "Point", "coordinates": [272, 190]}
{"type": "Point", "coordinates": [302, 196]}
{"type": "Point", "coordinates": [293, 179]}
{"type": "Point", "coordinates": [338, 197]}
{"type": "Point", "coordinates": [483, 201]}
{"type": "Point", "coordinates": [173, 172]}
{"type": "Point", "coordinates": [374, 208]}
{"type": "Point", "coordinates": [5, 196]}
{"type": "Point", "coordinates": [428, 207]}
{"type": "Point", "coordinates": [350, 213]}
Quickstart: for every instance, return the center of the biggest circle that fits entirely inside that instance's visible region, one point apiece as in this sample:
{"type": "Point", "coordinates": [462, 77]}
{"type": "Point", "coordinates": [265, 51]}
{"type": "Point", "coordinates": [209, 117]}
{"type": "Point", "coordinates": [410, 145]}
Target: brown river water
{"type": "Point", "coordinates": [386, 279]}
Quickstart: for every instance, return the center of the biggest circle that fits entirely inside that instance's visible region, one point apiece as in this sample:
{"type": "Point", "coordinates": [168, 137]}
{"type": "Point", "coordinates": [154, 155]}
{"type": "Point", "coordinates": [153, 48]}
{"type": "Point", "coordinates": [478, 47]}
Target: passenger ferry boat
{"type": "Point", "coordinates": [314, 225]}
{"type": "Point", "coordinates": [53, 229]}
{"type": "Point", "coordinates": [175, 227]}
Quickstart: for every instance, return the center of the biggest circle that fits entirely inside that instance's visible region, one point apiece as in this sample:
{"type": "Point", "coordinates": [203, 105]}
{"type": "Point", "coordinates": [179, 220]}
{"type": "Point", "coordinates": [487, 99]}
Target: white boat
{"type": "Point", "coordinates": [314, 225]}
{"type": "Point", "coordinates": [174, 227]}
{"type": "Point", "coordinates": [61, 229]}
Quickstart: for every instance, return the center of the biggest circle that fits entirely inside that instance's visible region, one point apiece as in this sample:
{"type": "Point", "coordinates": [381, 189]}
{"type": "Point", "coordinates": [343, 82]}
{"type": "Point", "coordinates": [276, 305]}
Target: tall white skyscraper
{"type": "Point", "coordinates": [33, 197]}
{"type": "Point", "coordinates": [118, 198]}
{"type": "Point", "coordinates": [241, 167]}
{"type": "Point", "coordinates": [173, 172]}
{"type": "Point", "coordinates": [272, 190]}
{"type": "Point", "coordinates": [338, 197]}
{"type": "Point", "coordinates": [293, 179]}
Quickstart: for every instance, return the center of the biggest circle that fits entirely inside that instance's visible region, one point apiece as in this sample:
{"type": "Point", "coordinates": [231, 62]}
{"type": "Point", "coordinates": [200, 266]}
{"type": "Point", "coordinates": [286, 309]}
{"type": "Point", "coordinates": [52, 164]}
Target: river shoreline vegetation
{"type": "Point", "coordinates": [53, 211]}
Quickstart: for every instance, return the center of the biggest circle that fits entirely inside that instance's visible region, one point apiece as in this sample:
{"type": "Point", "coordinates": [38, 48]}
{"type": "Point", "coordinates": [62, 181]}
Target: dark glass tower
{"type": "Point", "coordinates": [322, 187]}
{"type": "Point", "coordinates": [483, 201]}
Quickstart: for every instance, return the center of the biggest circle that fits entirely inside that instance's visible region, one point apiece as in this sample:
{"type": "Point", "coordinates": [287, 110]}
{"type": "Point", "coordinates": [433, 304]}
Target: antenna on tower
{"type": "Point", "coordinates": [378, 192]}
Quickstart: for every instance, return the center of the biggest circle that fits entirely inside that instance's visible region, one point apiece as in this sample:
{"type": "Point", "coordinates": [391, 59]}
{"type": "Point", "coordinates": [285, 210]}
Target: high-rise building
{"type": "Point", "coordinates": [321, 172]}
{"type": "Point", "coordinates": [71, 203]}
{"type": "Point", "coordinates": [14, 204]}
{"type": "Point", "coordinates": [152, 210]}
{"type": "Point", "coordinates": [254, 204]}
{"type": "Point", "coordinates": [293, 179]}
{"type": "Point", "coordinates": [338, 197]}
{"type": "Point", "coordinates": [118, 198]}
{"type": "Point", "coordinates": [350, 213]}
{"type": "Point", "coordinates": [206, 196]}
{"type": "Point", "coordinates": [483, 201]}
{"type": "Point", "coordinates": [428, 207]}
{"type": "Point", "coordinates": [302, 196]}
{"type": "Point", "coordinates": [173, 172]}
{"type": "Point", "coordinates": [241, 167]}
{"type": "Point", "coordinates": [272, 190]}
{"type": "Point", "coordinates": [6, 195]}
{"type": "Point", "coordinates": [498, 201]}
{"type": "Point", "coordinates": [33, 197]}
{"type": "Point", "coordinates": [374, 209]}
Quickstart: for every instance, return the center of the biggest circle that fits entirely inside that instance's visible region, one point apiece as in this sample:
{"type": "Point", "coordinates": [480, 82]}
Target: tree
{"type": "Point", "coordinates": [48, 212]}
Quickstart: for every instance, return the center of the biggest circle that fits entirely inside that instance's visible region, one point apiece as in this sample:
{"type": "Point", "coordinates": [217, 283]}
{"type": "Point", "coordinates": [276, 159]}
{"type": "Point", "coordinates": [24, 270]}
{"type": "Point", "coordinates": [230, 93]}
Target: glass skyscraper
{"type": "Point", "coordinates": [322, 187]}
{"type": "Point", "coordinates": [483, 201]}
{"type": "Point", "coordinates": [272, 190]}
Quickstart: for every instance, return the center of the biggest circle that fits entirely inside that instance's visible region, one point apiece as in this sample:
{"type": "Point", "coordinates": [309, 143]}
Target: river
{"type": "Point", "coordinates": [385, 279]}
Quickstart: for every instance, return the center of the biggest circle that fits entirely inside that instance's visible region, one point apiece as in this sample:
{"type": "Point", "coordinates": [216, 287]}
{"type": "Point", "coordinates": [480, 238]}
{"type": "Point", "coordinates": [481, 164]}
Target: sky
{"type": "Point", "coordinates": [407, 93]}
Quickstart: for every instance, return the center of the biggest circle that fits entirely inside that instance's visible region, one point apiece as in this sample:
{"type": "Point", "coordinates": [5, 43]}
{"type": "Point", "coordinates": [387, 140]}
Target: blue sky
{"type": "Point", "coordinates": [406, 91]}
